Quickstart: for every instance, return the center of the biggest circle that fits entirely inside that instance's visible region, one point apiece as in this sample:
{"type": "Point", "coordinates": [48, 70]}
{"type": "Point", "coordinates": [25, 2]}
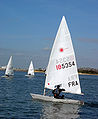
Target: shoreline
{"type": "Point", "coordinates": [23, 70]}
{"type": "Point", "coordinates": [42, 71]}
{"type": "Point", "coordinates": [86, 74]}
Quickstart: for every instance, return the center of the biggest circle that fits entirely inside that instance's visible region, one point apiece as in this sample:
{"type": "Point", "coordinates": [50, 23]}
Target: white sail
{"type": "Point", "coordinates": [31, 69]}
{"type": "Point", "coordinates": [9, 68]}
{"type": "Point", "coordinates": [62, 67]}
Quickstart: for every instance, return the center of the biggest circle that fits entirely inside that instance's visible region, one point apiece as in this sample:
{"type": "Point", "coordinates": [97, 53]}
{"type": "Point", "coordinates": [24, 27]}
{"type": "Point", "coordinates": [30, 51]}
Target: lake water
{"type": "Point", "coordinates": [16, 102]}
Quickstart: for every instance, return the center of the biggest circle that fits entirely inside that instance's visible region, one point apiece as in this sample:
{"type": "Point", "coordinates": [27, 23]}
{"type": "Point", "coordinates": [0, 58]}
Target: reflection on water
{"type": "Point", "coordinates": [59, 111]}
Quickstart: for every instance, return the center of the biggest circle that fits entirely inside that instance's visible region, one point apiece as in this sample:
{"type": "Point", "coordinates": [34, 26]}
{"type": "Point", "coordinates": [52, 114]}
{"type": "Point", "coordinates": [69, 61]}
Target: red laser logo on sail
{"type": "Point", "coordinates": [61, 50]}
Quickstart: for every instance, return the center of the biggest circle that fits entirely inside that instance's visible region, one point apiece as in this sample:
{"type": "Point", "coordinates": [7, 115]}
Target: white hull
{"type": "Point", "coordinates": [29, 75]}
{"type": "Point", "coordinates": [7, 76]}
{"type": "Point", "coordinates": [52, 99]}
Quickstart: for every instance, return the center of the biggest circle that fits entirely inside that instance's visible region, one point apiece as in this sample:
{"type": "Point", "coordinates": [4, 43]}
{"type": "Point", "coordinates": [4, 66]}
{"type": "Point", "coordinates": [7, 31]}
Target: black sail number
{"type": "Point", "coordinates": [69, 64]}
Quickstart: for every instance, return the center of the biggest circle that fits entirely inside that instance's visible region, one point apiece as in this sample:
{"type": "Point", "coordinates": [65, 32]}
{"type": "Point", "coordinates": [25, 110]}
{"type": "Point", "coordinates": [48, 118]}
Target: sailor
{"type": "Point", "coordinates": [7, 75]}
{"type": "Point", "coordinates": [56, 92]}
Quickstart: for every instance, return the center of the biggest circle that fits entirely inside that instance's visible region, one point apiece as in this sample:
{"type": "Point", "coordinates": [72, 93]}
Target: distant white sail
{"type": "Point", "coordinates": [62, 67]}
{"type": "Point", "coordinates": [31, 69]}
{"type": "Point", "coordinates": [9, 68]}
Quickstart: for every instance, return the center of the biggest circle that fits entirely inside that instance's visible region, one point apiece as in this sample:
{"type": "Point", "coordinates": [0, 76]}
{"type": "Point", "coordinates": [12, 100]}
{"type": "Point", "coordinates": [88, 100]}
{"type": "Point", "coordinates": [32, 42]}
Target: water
{"type": "Point", "coordinates": [16, 102]}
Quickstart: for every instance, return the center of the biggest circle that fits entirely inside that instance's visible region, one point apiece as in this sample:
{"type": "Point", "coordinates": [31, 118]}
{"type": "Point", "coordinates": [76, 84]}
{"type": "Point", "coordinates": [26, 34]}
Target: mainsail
{"type": "Point", "coordinates": [62, 67]}
{"type": "Point", "coordinates": [31, 69]}
{"type": "Point", "coordinates": [9, 68]}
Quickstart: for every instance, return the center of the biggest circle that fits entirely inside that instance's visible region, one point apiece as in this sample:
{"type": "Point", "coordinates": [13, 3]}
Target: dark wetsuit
{"type": "Point", "coordinates": [56, 92]}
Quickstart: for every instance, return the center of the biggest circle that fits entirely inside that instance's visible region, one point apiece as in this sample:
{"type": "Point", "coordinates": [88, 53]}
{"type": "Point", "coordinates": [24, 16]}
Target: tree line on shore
{"type": "Point", "coordinates": [88, 70]}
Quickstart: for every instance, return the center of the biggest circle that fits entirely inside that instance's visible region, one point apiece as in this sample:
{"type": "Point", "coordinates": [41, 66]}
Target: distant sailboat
{"type": "Point", "coordinates": [62, 68]}
{"type": "Point", "coordinates": [30, 70]}
{"type": "Point", "coordinates": [9, 69]}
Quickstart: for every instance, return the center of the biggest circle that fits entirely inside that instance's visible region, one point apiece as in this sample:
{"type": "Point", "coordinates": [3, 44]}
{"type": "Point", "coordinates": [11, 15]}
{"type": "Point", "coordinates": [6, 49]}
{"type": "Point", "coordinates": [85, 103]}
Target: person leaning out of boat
{"type": "Point", "coordinates": [56, 92]}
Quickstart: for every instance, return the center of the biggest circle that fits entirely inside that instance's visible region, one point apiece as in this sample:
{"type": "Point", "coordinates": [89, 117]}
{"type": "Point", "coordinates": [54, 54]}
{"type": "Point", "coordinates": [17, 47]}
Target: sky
{"type": "Point", "coordinates": [28, 29]}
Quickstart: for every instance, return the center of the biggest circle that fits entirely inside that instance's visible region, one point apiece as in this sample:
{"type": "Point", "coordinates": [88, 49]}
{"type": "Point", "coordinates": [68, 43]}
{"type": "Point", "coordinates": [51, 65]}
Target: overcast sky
{"type": "Point", "coordinates": [28, 29]}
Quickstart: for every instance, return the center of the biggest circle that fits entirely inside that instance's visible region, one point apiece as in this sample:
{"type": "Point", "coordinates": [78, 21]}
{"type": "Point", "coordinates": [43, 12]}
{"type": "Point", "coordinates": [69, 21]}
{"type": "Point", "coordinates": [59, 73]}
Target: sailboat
{"type": "Point", "coordinates": [9, 69]}
{"type": "Point", "coordinates": [30, 70]}
{"type": "Point", "coordinates": [62, 67]}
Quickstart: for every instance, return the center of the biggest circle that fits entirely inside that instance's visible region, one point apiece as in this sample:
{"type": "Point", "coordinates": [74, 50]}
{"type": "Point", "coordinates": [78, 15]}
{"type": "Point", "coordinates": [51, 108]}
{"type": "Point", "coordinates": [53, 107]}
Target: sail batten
{"type": "Point", "coordinates": [62, 67]}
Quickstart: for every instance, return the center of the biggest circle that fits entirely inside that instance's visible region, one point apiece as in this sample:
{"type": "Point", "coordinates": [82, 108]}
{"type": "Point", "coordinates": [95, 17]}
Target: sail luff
{"type": "Point", "coordinates": [62, 67]}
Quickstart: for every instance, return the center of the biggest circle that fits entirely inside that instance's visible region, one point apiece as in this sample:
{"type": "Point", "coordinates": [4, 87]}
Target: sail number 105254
{"type": "Point", "coordinates": [65, 65]}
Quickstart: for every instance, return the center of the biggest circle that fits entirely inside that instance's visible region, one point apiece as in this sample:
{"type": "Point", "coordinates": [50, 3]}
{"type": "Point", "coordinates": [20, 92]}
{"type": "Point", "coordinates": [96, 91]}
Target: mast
{"type": "Point", "coordinates": [44, 92]}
